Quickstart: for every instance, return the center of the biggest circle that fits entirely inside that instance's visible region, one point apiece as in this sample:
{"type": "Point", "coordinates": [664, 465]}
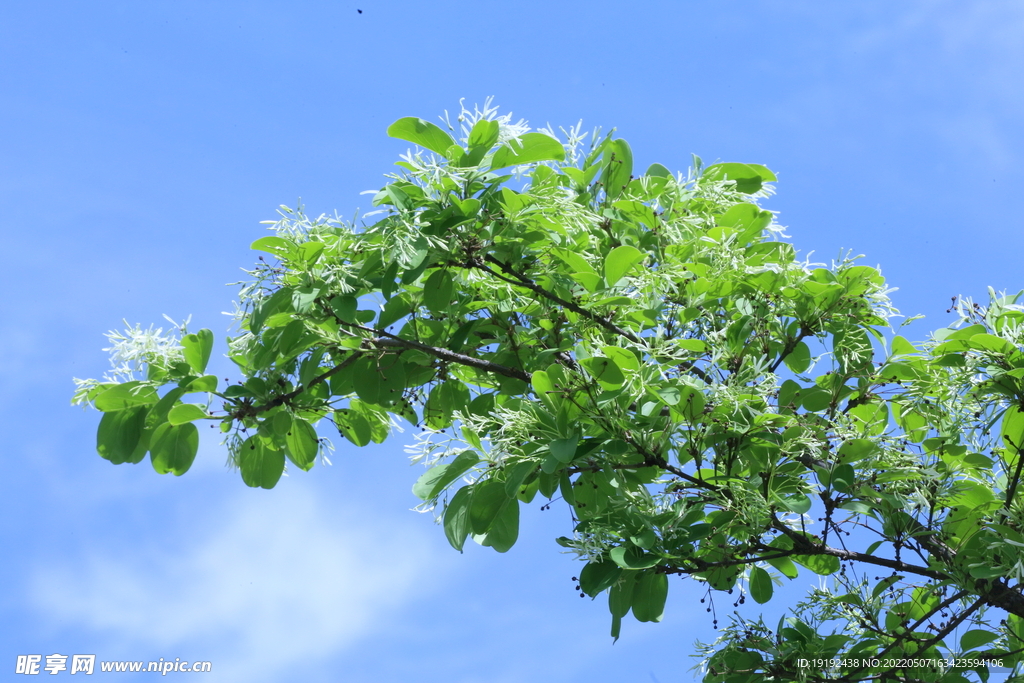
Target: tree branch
{"type": "Point", "coordinates": [284, 398]}
{"type": "Point", "coordinates": [804, 546]}
{"type": "Point", "coordinates": [522, 281]}
{"type": "Point", "coordinates": [388, 340]}
{"type": "Point", "coordinates": [451, 356]}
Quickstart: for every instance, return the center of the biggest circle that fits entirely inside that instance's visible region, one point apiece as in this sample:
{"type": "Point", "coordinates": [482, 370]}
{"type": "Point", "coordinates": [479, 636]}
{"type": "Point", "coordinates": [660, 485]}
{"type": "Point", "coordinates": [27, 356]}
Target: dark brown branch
{"type": "Point", "coordinates": [805, 546]}
{"type": "Point", "coordinates": [518, 279]}
{"type": "Point", "coordinates": [285, 398]}
{"type": "Point", "coordinates": [388, 340]}
{"type": "Point", "coordinates": [922, 647]}
{"type": "Point", "coordinates": [907, 635]}
{"type": "Point", "coordinates": [450, 356]}
{"type": "Point", "coordinates": [996, 591]}
{"type": "Point", "coordinates": [522, 281]}
{"type": "Point", "coordinates": [701, 565]}
{"type": "Point", "coordinates": [1011, 490]}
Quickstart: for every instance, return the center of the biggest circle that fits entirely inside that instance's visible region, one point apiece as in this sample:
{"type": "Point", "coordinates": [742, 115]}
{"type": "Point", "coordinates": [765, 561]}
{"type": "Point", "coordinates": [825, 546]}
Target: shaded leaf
{"type": "Point", "coordinates": [173, 448]}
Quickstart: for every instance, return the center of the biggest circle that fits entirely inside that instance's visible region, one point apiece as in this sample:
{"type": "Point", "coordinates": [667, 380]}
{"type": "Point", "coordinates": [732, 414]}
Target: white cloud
{"type": "Point", "coordinates": [275, 584]}
{"type": "Point", "coordinates": [935, 42]}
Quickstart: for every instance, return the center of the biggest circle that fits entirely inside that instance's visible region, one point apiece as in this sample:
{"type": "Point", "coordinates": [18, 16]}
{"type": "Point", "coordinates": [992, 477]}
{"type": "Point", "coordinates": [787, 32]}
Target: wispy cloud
{"type": "Point", "coordinates": [273, 585]}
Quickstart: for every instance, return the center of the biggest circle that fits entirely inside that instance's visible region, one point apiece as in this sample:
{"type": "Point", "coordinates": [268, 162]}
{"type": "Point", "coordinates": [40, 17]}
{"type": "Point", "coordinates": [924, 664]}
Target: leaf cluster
{"type": "Point", "coordinates": [646, 348]}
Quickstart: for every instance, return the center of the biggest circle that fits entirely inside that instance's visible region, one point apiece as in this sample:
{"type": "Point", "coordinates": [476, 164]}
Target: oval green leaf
{"type": "Point", "coordinates": [761, 588]}
{"type": "Point", "coordinates": [649, 595]}
{"type": "Point", "coordinates": [598, 575]}
{"type": "Point", "coordinates": [260, 465]}
{"type": "Point", "coordinates": [422, 133]}
{"type": "Point", "coordinates": [527, 149]}
{"type": "Point", "coordinates": [456, 517]}
{"type": "Point", "coordinates": [119, 434]}
{"type": "Point", "coordinates": [437, 478]}
{"type": "Point", "coordinates": [185, 412]}
{"type": "Point", "coordinates": [618, 168]}
{"type": "Point", "coordinates": [173, 448]}
{"type": "Point", "coordinates": [620, 261]}
{"type": "Point", "coordinates": [503, 531]}
{"type": "Point", "coordinates": [302, 443]}
{"type": "Point", "coordinates": [127, 395]}
{"type": "Point", "coordinates": [488, 500]}
{"type": "Point", "coordinates": [197, 348]}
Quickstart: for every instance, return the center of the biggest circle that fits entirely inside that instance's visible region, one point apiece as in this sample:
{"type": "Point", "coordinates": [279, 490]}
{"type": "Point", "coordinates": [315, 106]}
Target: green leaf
{"type": "Point", "coordinates": [303, 298]}
{"type": "Point", "coordinates": [824, 565]}
{"type": "Point", "coordinates": [1012, 431]}
{"type": "Point", "coordinates": [503, 531]}
{"type": "Point", "coordinates": [309, 252]}
{"type": "Point", "coordinates": [303, 444]}
{"type": "Point", "coordinates": [620, 597]}
{"type": "Point", "coordinates": [799, 359]}
{"type": "Point", "coordinates": [457, 524]}
{"type": "Point", "coordinates": [366, 379]}
{"type": "Point", "coordinates": [390, 378]}
{"type": "Point", "coordinates": [659, 171]}
{"type": "Point", "coordinates": [185, 412]}
{"type": "Point", "coordinates": [119, 435]}
{"type": "Point", "coordinates": [902, 347]}
{"type": "Point", "coordinates": [543, 387]}
{"type": "Point", "coordinates": [204, 384]}
{"type": "Point", "coordinates": [798, 503]}
{"type": "Point", "coordinates": [437, 478]}
{"type": "Point", "coordinates": [422, 133]}
{"type": "Point", "coordinates": [488, 500]}
{"type": "Point", "coordinates": [173, 448]}
{"type": "Point", "coordinates": [158, 413]}
{"type": "Point", "coordinates": [444, 399]}
{"type": "Point", "coordinates": [605, 371]}
{"type": "Point", "coordinates": [749, 177]}
{"type": "Point", "coordinates": [563, 450]}
{"type": "Point", "coordinates": [620, 261]}
{"type": "Point", "coordinates": [529, 148]}
{"type": "Point", "coordinates": [394, 310]}
{"type": "Point", "coordinates": [353, 425]}
{"type": "Point", "coordinates": [580, 269]}
{"type": "Point", "coordinates": [843, 478]}
{"type": "Point", "coordinates": [517, 474]}
{"type": "Point", "coordinates": [976, 638]}
{"type": "Point", "coordinates": [748, 219]}
{"type": "Point", "coordinates": [197, 349]}
{"type": "Point", "coordinates": [618, 168]}
{"type": "Point", "coordinates": [669, 395]}
{"type": "Point", "coordinates": [624, 358]}
{"type": "Point", "coordinates": [649, 595]}
{"type": "Point", "coordinates": [598, 575]}
{"type": "Point", "coordinates": [277, 301]}
{"type": "Point", "coordinates": [815, 399]}
{"type": "Point", "coordinates": [481, 139]}
{"type": "Point", "coordinates": [632, 557]}
{"type": "Point", "coordinates": [276, 246]}
{"type": "Point", "coordinates": [261, 466]}
{"type": "Point", "coordinates": [438, 291]}
{"type": "Point", "coordinates": [856, 449]}
{"type": "Point", "coordinates": [344, 306]}
{"type": "Point", "coordinates": [761, 587]}
{"type": "Point", "coordinates": [784, 565]}
{"type": "Point", "coordinates": [126, 395]}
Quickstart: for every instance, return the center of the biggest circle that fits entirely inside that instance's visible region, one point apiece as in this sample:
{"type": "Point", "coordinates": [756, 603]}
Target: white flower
{"type": "Point", "coordinates": [507, 131]}
{"type": "Point", "coordinates": [134, 348]}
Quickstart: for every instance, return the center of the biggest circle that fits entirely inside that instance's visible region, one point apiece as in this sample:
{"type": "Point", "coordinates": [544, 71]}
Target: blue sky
{"type": "Point", "coordinates": [144, 142]}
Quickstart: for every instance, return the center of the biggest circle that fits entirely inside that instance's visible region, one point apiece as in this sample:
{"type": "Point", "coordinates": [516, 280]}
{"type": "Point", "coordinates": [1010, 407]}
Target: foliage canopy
{"type": "Point", "coordinates": [647, 348]}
